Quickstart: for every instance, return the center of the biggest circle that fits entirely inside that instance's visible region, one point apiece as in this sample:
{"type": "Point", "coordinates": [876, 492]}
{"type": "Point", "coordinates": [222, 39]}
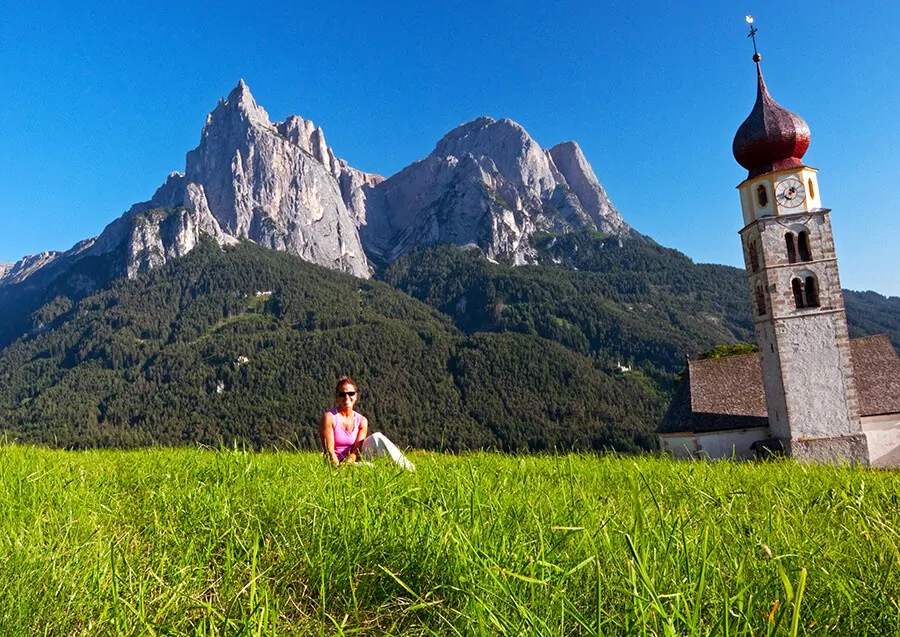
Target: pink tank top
{"type": "Point", "coordinates": [343, 439]}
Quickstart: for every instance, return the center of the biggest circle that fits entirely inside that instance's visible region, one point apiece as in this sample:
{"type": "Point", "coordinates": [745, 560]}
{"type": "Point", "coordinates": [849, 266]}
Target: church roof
{"type": "Point", "coordinates": [876, 368]}
{"type": "Point", "coordinates": [729, 385]}
{"type": "Point", "coordinates": [727, 393]}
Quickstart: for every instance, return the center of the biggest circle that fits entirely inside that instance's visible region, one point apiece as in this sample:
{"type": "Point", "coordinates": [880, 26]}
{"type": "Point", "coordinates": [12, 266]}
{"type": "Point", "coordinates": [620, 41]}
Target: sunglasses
{"type": "Point", "coordinates": [342, 394]}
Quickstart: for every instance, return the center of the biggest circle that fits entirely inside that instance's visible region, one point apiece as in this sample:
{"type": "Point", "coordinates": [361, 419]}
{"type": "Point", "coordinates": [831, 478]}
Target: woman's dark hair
{"type": "Point", "coordinates": [343, 380]}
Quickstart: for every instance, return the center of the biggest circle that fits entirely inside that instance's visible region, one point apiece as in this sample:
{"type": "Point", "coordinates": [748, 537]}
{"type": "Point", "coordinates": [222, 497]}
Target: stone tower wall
{"type": "Point", "coordinates": [817, 376]}
{"type": "Point", "coordinates": [807, 368]}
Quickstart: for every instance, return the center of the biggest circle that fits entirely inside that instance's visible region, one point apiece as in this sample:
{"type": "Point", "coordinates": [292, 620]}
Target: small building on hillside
{"type": "Point", "coordinates": [719, 410]}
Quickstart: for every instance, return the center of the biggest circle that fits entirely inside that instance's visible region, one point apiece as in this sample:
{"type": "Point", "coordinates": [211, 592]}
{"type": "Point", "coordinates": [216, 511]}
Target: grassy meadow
{"type": "Point", "coordinates": [197, 542]}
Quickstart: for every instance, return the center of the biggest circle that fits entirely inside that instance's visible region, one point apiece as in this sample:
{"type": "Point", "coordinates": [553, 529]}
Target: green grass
{"type": "Point", "coordinates": [192, 542]}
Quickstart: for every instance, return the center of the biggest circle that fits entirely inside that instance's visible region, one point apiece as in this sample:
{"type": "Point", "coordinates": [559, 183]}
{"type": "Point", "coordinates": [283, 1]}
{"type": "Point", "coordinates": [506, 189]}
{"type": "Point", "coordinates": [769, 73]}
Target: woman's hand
{"type": "Point", "coordinates": [326, 434]}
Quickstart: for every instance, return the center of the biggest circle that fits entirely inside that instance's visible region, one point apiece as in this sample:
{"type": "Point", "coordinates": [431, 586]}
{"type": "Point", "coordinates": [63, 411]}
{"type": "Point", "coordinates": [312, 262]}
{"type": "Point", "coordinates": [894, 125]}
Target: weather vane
{"type": "Point", "coordinates": [752, 35]}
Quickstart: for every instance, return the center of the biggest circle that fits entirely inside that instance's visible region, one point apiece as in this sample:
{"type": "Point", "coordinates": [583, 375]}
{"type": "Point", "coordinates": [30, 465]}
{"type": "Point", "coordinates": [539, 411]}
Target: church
{"type": "Point", "coordinates": [811, 392]}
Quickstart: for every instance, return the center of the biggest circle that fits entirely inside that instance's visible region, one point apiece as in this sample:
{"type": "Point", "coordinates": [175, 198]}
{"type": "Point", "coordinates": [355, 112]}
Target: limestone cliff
{"type": "Point", "coordinates": [278, 184]}
{"type": "Point", "coordinates": [11, 273]}
{"type": "Point", "coordinates": [489, 184]}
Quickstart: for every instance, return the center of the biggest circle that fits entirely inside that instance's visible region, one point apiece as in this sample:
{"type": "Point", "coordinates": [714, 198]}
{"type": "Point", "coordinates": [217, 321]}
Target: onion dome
{"type": "Point", "coordinates": [771, 138]}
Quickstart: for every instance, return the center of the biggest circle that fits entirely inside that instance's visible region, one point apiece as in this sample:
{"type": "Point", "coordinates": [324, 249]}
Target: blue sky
{"type": "Point", "coordinates": [102, 101]}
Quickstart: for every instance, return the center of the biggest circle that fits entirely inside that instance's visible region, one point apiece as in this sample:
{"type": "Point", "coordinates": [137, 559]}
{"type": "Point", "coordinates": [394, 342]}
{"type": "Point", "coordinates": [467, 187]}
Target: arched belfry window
{"type": "Point", "coordinates": [811, 189]}
{"type": "Point", "coordinates": [803, 246]}
{"type": "Point", "coordinates": [762, 197]}
{"type": "Point", "coordinates": [790, 242]}
{"type": "Point", "coordinates": [753, 254]}
{"type": "Point", "coordinates": [806, 291]}
{"type": "Point", "coordinates": [797, 289]}
{"type": "Point", "coordinates": [811, 291]}
{"type": "Point", "coordinates": [760, 301]}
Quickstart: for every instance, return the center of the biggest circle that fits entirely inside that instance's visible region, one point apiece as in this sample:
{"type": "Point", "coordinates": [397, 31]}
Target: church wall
{"type": "Point", "coordinates": [822, 263]}
{"type": "Point", "coordinates": [883, 439]}
{"type": "Point", "coordinates": [755, 208]}
{"type": "Point", "coordinates": [746, 205]}
{"type": "Point", "coordinates": [807, 368]}
{"type": "Point", "coordinates": [715, 444]}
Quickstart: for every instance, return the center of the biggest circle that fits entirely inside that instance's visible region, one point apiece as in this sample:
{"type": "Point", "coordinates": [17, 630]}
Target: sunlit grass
{"type": "Point", "coordinates": [192, 542]}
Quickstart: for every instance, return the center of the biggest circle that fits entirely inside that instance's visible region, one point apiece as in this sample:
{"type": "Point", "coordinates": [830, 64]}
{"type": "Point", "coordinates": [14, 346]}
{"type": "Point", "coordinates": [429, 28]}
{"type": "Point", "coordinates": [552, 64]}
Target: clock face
{"type": "Point", "coordinates": [790, 192]}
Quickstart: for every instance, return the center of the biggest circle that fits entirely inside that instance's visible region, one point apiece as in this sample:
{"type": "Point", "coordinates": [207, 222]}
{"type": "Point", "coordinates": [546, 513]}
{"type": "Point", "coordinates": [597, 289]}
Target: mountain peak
{"type": "Point", "coordinates": [277, 184]}
{"type": "Point", "coordinates": [482, 136]}
{"type": "Point", "coordinates": [241, 102]}
{"type": "Point", "coordinates": [239, 91]}
{"type": "Point", "coordinates": [569, 146]}
{"type": "Point", "coordinates": [489, 183]}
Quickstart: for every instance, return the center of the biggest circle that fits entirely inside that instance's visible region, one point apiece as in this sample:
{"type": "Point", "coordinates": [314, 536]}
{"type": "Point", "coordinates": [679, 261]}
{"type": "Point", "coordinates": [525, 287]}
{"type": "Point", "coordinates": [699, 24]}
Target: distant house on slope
{"type": "Point", "coordinates": [719, 411]}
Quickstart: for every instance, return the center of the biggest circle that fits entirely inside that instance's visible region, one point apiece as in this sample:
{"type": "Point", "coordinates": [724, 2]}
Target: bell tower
{"type": "Point", "coordinates": [795, 291]}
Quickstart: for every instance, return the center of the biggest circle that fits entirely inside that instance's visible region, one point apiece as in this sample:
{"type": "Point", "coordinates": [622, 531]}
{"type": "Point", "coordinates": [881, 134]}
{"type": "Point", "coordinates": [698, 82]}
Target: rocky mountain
{"type": "Point", "coordinates": [489, 184]}
{"type": "Point", "coordinates": [21, 270]}
{"type": "Point", "coordinates": [277, 184]}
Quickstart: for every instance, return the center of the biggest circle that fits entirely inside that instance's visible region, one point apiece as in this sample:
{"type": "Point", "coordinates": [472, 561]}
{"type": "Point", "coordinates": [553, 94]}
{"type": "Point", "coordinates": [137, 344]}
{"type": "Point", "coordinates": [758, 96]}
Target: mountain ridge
{"type": "Point", "coordinates": [487, 183]}
{"type": "Point", "coordinates": [280, 185]}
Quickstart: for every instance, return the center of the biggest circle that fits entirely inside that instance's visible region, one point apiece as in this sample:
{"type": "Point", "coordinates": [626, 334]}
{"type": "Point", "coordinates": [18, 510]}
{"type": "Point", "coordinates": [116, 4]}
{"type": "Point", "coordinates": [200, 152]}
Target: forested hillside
{"type": "Point", "coordinates": [871, 313]}
{"type": "Point", "coordinates": [630, 304]}
{"type": "Point", "coordinates": [245, 344]}
{"type": "Point", "coordinates": [20, 303]}
{"type": "Point", "coordinates": [619, 301]}
{"type": "Point", "coordinates": [630, 265]}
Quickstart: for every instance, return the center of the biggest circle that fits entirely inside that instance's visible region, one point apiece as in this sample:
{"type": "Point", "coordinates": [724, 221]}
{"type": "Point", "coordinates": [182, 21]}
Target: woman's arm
{"type": "Point", "coordinates": [326, 433]}
{"type": "Point", "coordinates": [360, 436]}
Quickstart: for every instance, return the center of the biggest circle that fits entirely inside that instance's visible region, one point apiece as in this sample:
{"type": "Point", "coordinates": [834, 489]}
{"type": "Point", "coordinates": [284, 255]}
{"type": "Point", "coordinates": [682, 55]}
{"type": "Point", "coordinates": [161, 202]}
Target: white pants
{"type": "Point", "coordinates": [377, 445]}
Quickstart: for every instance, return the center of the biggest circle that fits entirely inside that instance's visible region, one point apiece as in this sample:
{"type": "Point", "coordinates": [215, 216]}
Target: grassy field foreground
{"type": "Point", "coordinates": [172, 542]}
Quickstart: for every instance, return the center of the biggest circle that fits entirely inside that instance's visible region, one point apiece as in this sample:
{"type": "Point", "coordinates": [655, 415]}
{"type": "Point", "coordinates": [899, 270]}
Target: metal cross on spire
{"type": "Point", "coordinates": [752, 35]}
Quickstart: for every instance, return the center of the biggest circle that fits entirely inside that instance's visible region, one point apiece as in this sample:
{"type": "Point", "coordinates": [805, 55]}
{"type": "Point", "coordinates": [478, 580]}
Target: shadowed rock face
{"type": "Point", "coordinates": [580, 177]}
{"type": "Point", "coordinates": [488, 183]}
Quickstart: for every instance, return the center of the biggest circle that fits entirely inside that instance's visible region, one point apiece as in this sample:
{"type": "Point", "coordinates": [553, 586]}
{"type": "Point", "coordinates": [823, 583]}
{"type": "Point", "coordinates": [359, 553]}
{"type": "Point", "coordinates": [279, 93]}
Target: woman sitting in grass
{"type": "Point", "coordinates": [344, 431]}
